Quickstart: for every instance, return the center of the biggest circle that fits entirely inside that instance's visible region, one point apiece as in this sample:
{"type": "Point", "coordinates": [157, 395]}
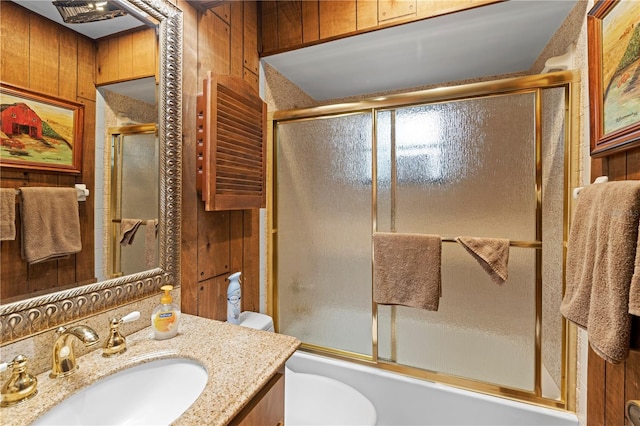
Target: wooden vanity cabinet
{"type": "Point", "coordinates": [267, 407]}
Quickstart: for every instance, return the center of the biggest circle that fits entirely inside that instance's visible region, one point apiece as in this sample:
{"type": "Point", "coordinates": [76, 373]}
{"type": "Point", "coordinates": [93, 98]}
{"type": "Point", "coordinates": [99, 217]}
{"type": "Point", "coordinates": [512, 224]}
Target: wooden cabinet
{"type": "Point", "coordinates": [289, 25]}
{"type": "Point", "coordinates": [127, 56]}
{"type": "Point", "coordinates": [267, 407]}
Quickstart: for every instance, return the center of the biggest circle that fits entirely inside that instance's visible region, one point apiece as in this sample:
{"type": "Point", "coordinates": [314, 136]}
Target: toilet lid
{"type": "Point", "coordinates": [256, 320]}
{"type": "Point", "coordinates": [311, 399]}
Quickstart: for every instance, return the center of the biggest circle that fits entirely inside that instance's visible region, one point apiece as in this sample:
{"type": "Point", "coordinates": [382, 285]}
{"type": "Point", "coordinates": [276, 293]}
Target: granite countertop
{"type": "Point", "coordinates": [239, 360]}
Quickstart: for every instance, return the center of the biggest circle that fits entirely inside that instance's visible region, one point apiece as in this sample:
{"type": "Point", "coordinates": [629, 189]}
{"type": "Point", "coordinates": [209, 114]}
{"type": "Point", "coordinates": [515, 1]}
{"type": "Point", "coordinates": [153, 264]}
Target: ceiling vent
{"type": "Point", "coordinates": [80, 12]}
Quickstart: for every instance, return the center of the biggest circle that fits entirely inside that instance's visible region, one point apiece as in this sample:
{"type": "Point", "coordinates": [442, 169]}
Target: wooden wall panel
{"type": "Point", "coordinates": [191, 85]}
{"type": "Point", "coordinates": [289, 24]}
{"type": "Point", "coordinates": [44, 60]}
{"type": "Point", "coordinates": [212, 43]}
{"type": "Point", "coordinates": [14, 45]}
{"type": "Point", "coordinates": [269, 26]}
{"type": "Point", "coordinates": [310, 21]}
{"type": "Point", "coordinates": [393, 9]}
{"type": "Point", "coordinates": [237, 36]}
{"type": "Point", "coordinates": [68, 65]}
{"type": "Point", "coordinates": [221, 46]}
{"type": "Point", "coordinates": [337, 18]}
{"type": "Point", "coordinates": [44, 57]}
{"type": "Point", "coordinates": [367, 14]}
{"type": "Point", "coordinates": [610, 386]}
{"type": "Point", "coordinates": [250, 37]}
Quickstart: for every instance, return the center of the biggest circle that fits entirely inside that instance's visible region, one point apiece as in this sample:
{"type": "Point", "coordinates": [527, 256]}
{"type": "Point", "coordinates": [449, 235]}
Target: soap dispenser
{"type": "Point", "coordinates": [165, 317]}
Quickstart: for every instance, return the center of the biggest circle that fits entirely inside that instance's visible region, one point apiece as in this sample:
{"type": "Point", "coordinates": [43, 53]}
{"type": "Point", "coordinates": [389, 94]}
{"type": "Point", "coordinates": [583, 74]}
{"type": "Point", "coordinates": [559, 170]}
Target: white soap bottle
{"type": "Point", "coordinates": [233, 298]}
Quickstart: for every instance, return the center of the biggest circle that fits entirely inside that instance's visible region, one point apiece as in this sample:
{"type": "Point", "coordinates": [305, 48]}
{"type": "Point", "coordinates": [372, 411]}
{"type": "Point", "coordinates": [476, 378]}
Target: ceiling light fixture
{"type": "Point", "coordinates": [80, 11]}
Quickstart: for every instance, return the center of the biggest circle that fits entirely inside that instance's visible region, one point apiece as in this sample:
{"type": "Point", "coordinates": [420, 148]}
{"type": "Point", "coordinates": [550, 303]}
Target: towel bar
{"type": "Point", "coordinates": [599, 179]}
{"type": "Point", "coordinates": [81, 189]}
{"type": "Point", "coordinates": [512, 243]}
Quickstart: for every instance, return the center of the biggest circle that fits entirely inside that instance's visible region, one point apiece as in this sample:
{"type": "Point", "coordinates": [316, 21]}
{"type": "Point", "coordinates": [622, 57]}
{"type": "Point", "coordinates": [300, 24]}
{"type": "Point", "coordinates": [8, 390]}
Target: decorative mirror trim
{"type": "Point", "coordinates": [24, 318]}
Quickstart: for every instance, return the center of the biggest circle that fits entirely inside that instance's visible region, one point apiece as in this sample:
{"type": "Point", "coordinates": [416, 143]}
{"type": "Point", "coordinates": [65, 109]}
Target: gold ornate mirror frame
{"type": "Point", "coordinates": [24, 318]}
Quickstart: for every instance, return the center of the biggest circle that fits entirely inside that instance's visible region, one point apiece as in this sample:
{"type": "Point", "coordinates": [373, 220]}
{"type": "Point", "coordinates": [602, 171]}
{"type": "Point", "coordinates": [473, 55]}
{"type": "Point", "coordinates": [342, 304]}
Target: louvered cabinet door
{"type": "Point", "coordinates": [231, 146]}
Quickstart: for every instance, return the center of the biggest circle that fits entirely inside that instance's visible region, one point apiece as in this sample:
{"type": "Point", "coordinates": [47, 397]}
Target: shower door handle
{"type": "Point", "coordinates": [633, 411]}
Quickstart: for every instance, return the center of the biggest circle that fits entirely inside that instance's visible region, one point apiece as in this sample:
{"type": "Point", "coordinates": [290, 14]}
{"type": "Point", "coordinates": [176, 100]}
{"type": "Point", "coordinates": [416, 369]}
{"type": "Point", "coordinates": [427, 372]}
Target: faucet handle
{"type": "Point", "coordinates": [116, 343]}
{"type": "Point", "coordinates": [21, 386]}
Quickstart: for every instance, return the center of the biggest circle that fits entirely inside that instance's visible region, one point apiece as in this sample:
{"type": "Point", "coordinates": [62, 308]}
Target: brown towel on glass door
{"type": "Point", "coordinates": [7, 214]}
{"type": "Point", "coordinates": [634, 290]}
{"type": "Point", "coordinates": [601, 251]}
{"type": "Point", "coordinates": [50, 223]}
{"type": "Point", "coordinates": [491, 253]}
{"type": "Point", "coordinates": [151, 228]}
{"type": "Point", "coordinates": [406, 270]}
{"type": "Point", "coordinates": [128, 228]}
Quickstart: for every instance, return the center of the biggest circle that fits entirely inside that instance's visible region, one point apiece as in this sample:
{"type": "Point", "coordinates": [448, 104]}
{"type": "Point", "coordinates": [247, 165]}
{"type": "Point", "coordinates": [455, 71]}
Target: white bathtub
{"type": "Point", "coordinates": [401, 400]}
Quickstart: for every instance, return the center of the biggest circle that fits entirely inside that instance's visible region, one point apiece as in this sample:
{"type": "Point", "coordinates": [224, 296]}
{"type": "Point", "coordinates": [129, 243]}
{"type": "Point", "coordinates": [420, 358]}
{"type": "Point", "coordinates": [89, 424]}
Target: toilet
{"type": "Point", "coordinates": [312, 399]}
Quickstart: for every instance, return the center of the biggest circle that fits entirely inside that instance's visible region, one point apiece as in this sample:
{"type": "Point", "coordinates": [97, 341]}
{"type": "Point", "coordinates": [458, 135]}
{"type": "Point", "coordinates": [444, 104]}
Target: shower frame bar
{"type": "Point", "coordinates": [569, 80]}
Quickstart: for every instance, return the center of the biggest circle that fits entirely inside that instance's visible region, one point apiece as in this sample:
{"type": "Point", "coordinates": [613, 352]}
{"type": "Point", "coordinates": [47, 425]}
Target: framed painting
{"type": "Point", "coordinates": [613, 33]}
{"type": "Point", "coordinates": [39, 132]}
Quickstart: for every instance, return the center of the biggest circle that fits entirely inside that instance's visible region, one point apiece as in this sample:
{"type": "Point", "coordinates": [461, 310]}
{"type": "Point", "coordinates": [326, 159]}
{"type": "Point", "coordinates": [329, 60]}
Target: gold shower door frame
{"type": "Point", "coordinates": [569, 80]}
{"type": "Point", "coordinates": [116, 142]}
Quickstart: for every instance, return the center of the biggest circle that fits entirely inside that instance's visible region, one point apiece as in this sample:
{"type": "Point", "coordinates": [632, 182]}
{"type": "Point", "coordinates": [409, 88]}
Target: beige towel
{"type": "Point", "coordinates": [406, 270]}
{"type": "Point", "coordinates": [151, 229]}
{"type": "Point", "coordinates": [50, 223]}
{"type": "Point", "coordinates": [7, 214]}
{"type": "Point", "coordinates": [128, 228]}
{"type": "Point", "coordinates": [491, 253]}
{"type": "Point", "coordinates": [600, 260]}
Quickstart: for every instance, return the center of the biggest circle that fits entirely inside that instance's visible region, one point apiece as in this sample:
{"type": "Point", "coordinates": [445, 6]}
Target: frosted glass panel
{"type": "Point", "coordinates": [553, 154]}
{"type": "Point", "coordinates": [464, 168]}
{"type": "Point", "coordinates": [138, 163]}
{"type": "Point", "coordinates": [324, 231]}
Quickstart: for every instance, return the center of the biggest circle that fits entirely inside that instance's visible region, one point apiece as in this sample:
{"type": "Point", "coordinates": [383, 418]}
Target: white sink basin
{"type": "Point", "coordinates": [153, 393]}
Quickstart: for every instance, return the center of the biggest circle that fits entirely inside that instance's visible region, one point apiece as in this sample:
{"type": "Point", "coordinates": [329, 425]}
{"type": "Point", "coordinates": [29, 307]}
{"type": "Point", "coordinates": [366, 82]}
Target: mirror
{"type": "Point", "coordinates": [23, 318]}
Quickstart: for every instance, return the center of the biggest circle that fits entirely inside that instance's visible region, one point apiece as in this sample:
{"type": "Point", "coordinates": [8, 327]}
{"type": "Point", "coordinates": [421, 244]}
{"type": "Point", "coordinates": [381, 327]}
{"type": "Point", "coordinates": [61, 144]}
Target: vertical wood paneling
{"type": "Point", "coordinates": [14, 45]}
{"type": "Point", "coordinates": [367, 14]}
{"type": "Point", "coordinates": [250, 37]}
{"type": "Point", "coordinates": [224, 12]}
{"type": "Point", "coordinates": [44, 67]}
{"type": "Point", "coordinates": [237, 36]}
{"type": "Point", "coordinates": [614, 385]}
{"type": "Point", "coordinates": [68, 65]}
{"type": "Point", "coordinates": [596, 386]}
{"type": "Point", "coordinates": [107, 69]}
{"type": "Point", "coordinates": [251, 260]}
{"type": "Point", "coordinates": [289, 24]}
{"type": "Point", "coordinates": [310, 21]}
{"type": "Point", "coordinates": [269, 21]}
{"type": "Point", "coordinates": [252, 79]}
{"type": "Point", "coordinates": [144, 48]}
{"type": "Point", "coordinates": [85, 260]}
{"type": "Point", "coordinates": [86, 69]}
{"type": "Point", "coordinates": [214, 249]}
{"type": "Point", "coordinates": [221, 46]}
{"type": "Point", "coordinates": [337, 17]}
{"type": "Point", "coordinates": [191, 85]}
{"type": "Point", "coordinates": [212, 296]}
{"type": "Point", "coordinates": [125, 57]}
{"type": "Point", "coordinates": [392, 9]}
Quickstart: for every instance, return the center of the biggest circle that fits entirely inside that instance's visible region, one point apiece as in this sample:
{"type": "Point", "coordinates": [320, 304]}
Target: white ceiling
{"type": "Point", "coordinates": [490, 40]}
{"type": "Point", "coordinates": [92, 30]}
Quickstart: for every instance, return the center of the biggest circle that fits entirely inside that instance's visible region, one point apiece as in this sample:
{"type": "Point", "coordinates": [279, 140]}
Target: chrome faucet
{"type": "Point", "coordinates": [64, 359]}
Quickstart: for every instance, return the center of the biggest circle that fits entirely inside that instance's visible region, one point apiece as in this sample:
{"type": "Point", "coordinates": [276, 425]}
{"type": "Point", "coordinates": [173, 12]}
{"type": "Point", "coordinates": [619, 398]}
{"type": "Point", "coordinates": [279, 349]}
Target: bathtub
{"type": "Point", "coordinates": [401, 400]}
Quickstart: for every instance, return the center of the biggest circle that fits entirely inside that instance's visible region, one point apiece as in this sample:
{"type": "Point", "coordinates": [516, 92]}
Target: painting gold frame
{"type": "Point", "coordinates": [40, 132]}
{"type": "Point", "coordinates": [613, 33]}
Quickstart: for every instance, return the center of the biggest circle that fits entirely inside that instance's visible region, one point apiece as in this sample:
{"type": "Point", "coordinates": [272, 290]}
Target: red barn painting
{"type": "Point", "coordinates": [19, 119]}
